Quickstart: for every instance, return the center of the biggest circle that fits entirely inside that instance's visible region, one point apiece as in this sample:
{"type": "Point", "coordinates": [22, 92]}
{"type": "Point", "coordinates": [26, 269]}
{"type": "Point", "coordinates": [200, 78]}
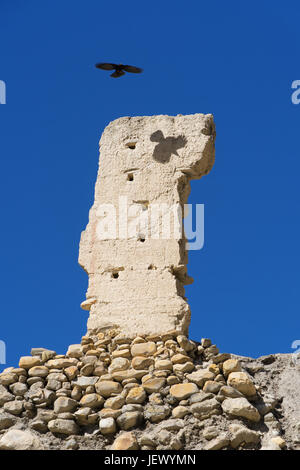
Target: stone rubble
{"type": "Point", "coordinates": [111, 392]}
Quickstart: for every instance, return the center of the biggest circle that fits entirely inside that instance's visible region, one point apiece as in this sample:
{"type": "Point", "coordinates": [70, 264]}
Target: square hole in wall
{"type": "Point", "coordinates": [131, 145]}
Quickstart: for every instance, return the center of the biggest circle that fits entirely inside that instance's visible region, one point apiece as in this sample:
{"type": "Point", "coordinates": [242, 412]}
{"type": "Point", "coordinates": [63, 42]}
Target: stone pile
{"type": "Point", "coordinates": [152, 392]}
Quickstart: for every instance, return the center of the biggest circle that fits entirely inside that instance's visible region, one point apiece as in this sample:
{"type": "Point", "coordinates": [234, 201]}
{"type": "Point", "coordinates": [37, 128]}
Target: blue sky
{"type": "Point", "coordinates": [230, 59]}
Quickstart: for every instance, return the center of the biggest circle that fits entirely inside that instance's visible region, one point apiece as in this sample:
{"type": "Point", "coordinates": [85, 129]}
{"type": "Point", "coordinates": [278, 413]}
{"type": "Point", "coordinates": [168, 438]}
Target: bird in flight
{"type": "Point", "coordinates": [119, 69]}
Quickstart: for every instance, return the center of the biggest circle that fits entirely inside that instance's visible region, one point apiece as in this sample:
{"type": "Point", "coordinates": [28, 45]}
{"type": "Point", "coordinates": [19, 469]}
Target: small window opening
{"type": "Point", "coordinates": [151, 266]}
{"type": "Point", "coordinates": [131, 145]}
{"type": "Point", "coordinates": [115, 275]}
{"type": "Point", "coordinates": [130, 177]}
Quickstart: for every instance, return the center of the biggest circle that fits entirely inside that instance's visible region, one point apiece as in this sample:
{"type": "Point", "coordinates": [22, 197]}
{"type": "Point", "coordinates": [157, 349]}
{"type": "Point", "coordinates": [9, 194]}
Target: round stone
{"type": "Point", "coordinates": [143, 349]}
{"type": "Point", "coordinates": [107, 426]}
{"type": "Point", "coordinates": [107, 388]}
{"type": "Point", "coordinates": [38, 371]}
{"type": "Point", "coordinates": [183, 391]}
{"type": "Point", "coordinates": [136, 395]}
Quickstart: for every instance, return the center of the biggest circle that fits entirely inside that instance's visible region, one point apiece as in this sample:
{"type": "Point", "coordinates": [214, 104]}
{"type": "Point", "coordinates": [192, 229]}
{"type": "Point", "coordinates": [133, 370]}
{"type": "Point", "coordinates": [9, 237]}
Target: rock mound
{"type": "Point", "coordinates": [152, 392]}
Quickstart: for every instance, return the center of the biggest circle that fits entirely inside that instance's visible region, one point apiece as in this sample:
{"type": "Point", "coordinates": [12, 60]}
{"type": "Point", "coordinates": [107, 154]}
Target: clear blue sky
{"type": "Point", "coordinates": [234, 60]}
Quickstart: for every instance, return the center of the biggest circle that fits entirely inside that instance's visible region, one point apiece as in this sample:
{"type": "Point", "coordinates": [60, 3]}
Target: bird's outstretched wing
{"type": "Point", "coordinates": [132, 69]}
{"type": "Point", "coordinates": [106, 66]}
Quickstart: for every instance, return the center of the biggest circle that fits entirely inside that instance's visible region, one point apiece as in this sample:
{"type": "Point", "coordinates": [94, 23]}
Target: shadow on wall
{"type": "Point", "coordinates": [166, 146]}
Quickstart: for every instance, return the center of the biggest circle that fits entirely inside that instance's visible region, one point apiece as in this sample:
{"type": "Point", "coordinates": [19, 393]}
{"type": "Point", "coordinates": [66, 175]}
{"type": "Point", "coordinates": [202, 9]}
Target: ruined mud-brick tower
{"type": "Point", "coordinates": [136, 282]}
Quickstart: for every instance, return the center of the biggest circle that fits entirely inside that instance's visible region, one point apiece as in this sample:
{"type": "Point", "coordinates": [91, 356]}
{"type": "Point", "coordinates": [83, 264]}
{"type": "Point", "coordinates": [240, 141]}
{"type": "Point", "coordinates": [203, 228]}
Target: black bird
{"type": "Point", "coordinates": [119, 69]}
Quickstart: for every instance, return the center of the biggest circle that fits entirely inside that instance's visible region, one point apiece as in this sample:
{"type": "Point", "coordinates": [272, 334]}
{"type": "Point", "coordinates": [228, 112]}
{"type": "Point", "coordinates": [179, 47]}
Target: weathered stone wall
{"type": "Point", "coordinates": [136, 283]}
